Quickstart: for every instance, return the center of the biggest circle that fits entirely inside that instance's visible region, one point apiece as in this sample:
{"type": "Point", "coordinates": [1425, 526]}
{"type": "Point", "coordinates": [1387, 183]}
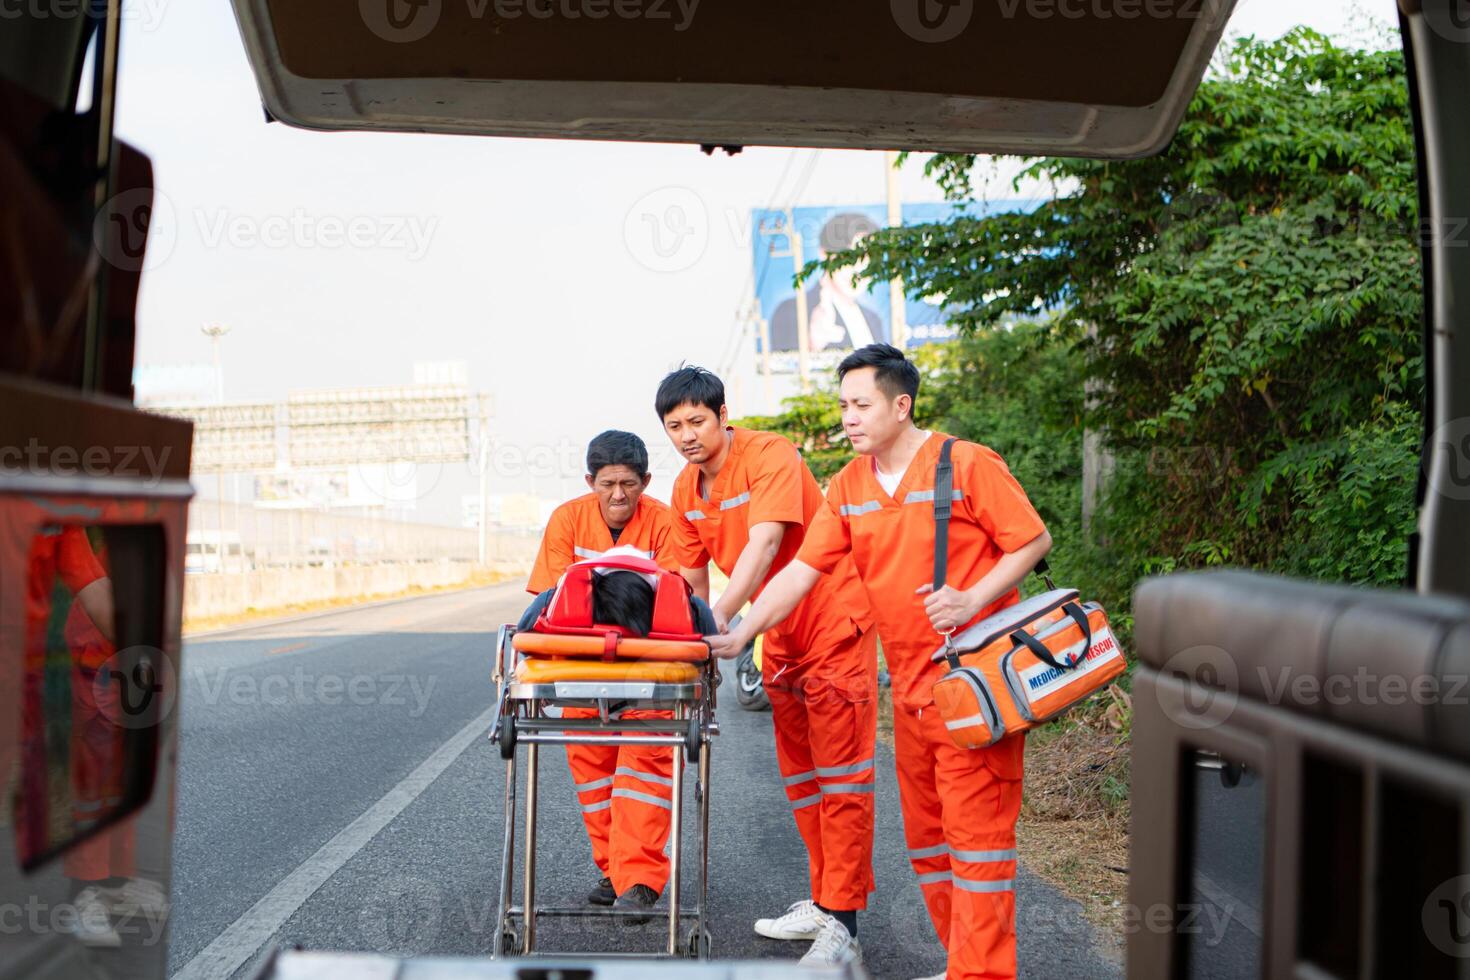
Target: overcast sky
{"type": "Point", "coordinates": [508, 254]}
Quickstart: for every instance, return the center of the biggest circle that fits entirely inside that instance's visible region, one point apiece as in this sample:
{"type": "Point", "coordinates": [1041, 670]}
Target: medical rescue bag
{"type": "Point", "coordinates": [566, 628]}
{"type": "Point", "coordinates": [1023, 665]}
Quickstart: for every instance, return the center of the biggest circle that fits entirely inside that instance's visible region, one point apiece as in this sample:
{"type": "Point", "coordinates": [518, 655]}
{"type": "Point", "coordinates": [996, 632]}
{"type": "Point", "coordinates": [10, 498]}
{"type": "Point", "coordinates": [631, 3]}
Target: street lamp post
{"type": "Point", "coordinates": [215, 331]}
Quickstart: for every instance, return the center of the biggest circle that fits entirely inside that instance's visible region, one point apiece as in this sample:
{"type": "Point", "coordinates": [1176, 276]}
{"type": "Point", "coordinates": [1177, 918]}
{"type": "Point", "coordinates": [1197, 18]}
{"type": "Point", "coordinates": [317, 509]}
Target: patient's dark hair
{"type": "Point", "coordinates": [614, 448]}
{"type": "Point", "coordinates": [623, 599]}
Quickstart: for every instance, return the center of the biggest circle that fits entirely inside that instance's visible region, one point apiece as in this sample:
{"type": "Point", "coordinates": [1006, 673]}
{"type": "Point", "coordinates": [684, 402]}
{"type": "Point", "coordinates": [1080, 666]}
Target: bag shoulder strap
{"type": "Point", "coordinates": [943, 505]}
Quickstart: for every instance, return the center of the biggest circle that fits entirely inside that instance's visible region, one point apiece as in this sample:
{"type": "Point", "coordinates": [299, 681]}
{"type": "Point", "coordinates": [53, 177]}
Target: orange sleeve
{"type": "Point", "coordinates": [556, 551]}
{"type": "Point", "coordinates": [827, 538]}
{"type": "Point", "coordinates": [996, 501]}
{"type": "Point", "coordinates": [775, 485]}
{"type": "Point", "coordinates": [75, 561]}
{"type": "Point", "coordinates": [684, 539]}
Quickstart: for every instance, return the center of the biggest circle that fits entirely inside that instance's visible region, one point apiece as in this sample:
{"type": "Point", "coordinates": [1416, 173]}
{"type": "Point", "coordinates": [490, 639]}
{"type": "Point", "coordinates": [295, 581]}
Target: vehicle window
{"type": "Point", "coordinates": [94, 684]}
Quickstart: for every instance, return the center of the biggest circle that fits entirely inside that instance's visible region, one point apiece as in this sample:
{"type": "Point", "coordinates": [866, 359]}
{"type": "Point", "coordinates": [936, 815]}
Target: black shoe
{"type": "Point", "coordinates": [603, 894]}
{"type": "Point", "coordinates": [637, 897]}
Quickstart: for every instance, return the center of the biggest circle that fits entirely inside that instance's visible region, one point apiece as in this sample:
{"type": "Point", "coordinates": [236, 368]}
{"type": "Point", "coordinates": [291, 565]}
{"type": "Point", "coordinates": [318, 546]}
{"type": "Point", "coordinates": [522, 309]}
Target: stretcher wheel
{"type": "Point", "coordinates": [698, 946]}
{"type": "Point", "coordinates": [694, 737]}
{"type": "Point", "coordinates": [508, 738]}
{"type": "Point", "coordinates": [508, 943]}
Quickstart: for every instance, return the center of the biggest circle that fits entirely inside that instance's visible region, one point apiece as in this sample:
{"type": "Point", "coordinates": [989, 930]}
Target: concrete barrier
{"type": "Point", "coordinates": [212, 595]}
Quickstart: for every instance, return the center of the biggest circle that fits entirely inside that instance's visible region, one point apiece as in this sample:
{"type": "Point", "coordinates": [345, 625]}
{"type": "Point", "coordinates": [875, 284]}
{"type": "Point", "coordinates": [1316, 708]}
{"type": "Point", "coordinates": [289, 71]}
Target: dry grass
{"type": "Point", "coordinates": [477, 580]}
{"type": "Point", "coordinates": [1073, 830]}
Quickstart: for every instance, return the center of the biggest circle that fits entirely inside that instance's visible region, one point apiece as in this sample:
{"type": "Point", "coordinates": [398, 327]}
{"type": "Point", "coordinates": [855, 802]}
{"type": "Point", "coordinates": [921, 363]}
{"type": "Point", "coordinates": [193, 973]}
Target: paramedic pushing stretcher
{"type": "Point", "coordinates": [959, 806]}
{"type": "Point", "coordinates": [623, 791]}
{"type": "Point", "coordinates": [744, 501]}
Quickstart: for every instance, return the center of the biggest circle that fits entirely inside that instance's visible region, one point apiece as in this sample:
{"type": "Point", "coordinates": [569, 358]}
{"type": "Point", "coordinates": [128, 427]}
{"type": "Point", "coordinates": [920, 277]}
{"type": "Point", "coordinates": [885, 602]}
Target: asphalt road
{"type": "Point", "coordinates": [336, 791]}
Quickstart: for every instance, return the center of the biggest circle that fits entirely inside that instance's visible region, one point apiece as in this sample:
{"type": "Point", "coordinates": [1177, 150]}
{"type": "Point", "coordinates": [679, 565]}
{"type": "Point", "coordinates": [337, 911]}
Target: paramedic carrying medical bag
{"type": "Point", "coordinates": [1027, 663]}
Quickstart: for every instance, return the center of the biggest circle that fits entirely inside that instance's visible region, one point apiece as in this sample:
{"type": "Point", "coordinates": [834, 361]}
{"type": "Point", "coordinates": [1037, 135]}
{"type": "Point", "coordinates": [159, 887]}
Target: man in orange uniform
{"type": "Point", "coordinates": [744, 500]}
{"type": "Point", "coordinates": [959, 806]}
{"type": "Point", "coordinates": [624, 792]}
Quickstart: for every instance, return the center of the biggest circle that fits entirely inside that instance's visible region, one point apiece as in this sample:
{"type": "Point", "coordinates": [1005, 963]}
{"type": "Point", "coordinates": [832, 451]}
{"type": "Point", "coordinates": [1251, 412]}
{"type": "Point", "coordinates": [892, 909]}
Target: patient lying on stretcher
{"type": "Point", "coordinates": [622, 598]}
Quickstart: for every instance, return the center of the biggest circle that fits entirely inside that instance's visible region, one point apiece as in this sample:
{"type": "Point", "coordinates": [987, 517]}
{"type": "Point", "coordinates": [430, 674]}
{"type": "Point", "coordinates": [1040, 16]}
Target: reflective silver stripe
{"type": "Point", "coordinates": [595, 784]}
{"type": "Point", "coordinates": [970, 885]}
{"type": "Point", "coordinates": [924, 496]}
{"type": "Point", "coordinates": [812, 800]}
{"type": "Point", "coordinates": [694, 515]}
{"type": "Point", "coordinates": [851, 770]}
{"type": "Point", "coordinates": [629, 794]}
{"type": "Point", "coordinates": [594, 807]}
{"type": "Point", "coordinates": [857, 510]}
{"type": "Point", "coordinates": [919, 853]}
{"type": "Point", "coordinates": [800, 777]}
{"type": "Point", "coordinates": [836, 788]}
{"type": "Point", "coordinates": [585, 552]}
{"type": "Point", "coordinates": [934, 877]}
{"type": "Point", "coordinates": [967, 722]}
{"type": "Point", "coordinates": [734, 502]}
{"type": "Point", "coordinates": [648, 777]}
{"type": "Point", "coordinates": [984, 857]}
{"type": "Point", "coordinates": [87, 806]}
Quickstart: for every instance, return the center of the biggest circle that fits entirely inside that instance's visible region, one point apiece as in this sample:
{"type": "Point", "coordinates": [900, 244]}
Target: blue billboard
{"type": "Point", "coordinates": [841, 313]}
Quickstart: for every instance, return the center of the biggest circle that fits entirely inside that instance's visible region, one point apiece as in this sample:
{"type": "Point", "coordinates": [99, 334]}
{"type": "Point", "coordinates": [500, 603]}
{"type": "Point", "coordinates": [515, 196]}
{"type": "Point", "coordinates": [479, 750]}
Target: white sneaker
{"type": "Point", "coordinates": [136, 896]}
{"type": "Point", "coordinates": [834, 946]}
{"type": "Point", "coordinates": [802, 920]}
{"type": "Point", "coordinates": [91, 924]}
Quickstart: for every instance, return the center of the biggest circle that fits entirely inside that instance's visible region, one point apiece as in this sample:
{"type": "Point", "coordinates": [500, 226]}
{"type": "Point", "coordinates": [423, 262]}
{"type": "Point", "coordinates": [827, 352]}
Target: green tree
{"type": "Point", "coordinates": [1247, 305]}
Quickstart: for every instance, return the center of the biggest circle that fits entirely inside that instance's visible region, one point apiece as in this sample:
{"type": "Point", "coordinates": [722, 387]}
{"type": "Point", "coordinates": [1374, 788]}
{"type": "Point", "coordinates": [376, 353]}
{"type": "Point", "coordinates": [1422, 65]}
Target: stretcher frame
{"type": "Point", "coordinates": [521, 721]}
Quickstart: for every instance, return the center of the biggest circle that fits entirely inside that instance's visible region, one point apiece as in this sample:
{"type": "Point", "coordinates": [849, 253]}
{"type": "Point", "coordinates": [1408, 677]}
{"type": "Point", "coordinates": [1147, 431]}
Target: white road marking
{"type": "Point", "coordinates": [233, 947]}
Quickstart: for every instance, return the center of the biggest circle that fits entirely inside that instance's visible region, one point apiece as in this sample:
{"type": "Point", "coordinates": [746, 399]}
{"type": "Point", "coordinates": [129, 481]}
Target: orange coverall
{"type": "Point", "coordinates": [959, 806]}
{"type": "Point", "coordinates": [625, 792]}
{"type": "Point", "coordinates": [820, 666]}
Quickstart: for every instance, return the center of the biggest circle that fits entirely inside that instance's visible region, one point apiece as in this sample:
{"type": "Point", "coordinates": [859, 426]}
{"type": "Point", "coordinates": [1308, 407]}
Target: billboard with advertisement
{"type": "Point", "coordinates": [841, 313]}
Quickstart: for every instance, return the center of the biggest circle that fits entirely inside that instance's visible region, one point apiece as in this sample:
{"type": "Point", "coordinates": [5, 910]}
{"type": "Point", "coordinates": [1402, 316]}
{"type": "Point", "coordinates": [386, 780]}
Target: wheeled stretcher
{"type": "Point", "coordinates": [596, 668]}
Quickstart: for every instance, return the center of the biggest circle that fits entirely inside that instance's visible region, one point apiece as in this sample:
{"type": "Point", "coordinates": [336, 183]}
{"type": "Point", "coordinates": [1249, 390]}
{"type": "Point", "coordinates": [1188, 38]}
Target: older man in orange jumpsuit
{"type": "Point", "coordinates": [624, 792]}
{"type": "Point", "coordinates": [744, 501]}
{"type": "Point", "coordinates": [959, 805]}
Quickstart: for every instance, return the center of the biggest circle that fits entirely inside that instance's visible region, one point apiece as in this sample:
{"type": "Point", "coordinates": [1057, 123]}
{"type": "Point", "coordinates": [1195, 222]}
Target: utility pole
{"type": "Point", "coordinates": [484, 462]}
{"type": "Point", "coordinates": [898, 305]}
{"type": "Point", "coordinates": [803, 326]}
{"type": "Point", "coordinates": [214, 331]}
